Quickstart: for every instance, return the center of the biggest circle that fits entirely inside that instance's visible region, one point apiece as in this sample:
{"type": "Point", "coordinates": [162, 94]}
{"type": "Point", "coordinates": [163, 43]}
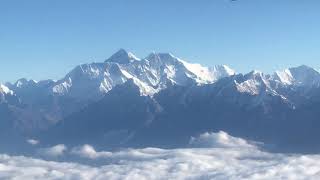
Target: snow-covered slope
{"type": "Point", "coordinates": [5, 90]}
{"type": "Point", "coordinates": [90, 82]}
{"type": "Point", "coordinates": [299, 76]}
{"type": "Point", "coordinates": [257, 83]}
{"type": "Point", "coordinates": [151, 74]}
{"type": "Point", "coordinates": [23, 83]}
{"type": "Point", "coordinates": [157, 71]}
{"type": "Point", "coordinates": [122, 57]}
{"type": "Point", "coordinates": [290, 85]}
{"type": "Point", "coordinates": [8, 96]}
{"type": "Point", "coordinates": [208, 74]}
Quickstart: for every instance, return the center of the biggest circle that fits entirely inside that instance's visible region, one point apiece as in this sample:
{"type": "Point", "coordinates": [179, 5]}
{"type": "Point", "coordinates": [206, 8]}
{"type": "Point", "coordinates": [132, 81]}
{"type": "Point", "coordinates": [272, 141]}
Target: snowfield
{"type": "Point", "coordinates": [210, 156]}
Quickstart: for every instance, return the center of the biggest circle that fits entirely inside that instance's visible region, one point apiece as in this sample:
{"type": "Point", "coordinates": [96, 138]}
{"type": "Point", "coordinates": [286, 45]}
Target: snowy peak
{"type": "Point", "coordinates": [82, 82]}
{"type": "Point", "coordinates": [21, 83]}
{"type": "Point", "coordinates": [197, 72]}
{"type": "Point", "coordinates": [256, 75]}
{"type": "Point", "coordinates": [209, 74]}
{"type": "Point", "coordinates": [150, 74]}
{"type": "Point", "coordinates": [160, 59]}
{"type": "Point", "coordinates": [298, 76]}
{"type": "Point", "coordinates": [304, 75]}
{"type": "Point", "coordinates": [5, 90]}
{"type": "Point", "coordinates": [263, 86]}
{"type": "Point", "coordinates": [303, 68]}
{"type": "Point", "coordinates": [160, 56]}
{"type": "Point", "coordinates": [254, 83]}
{"type": "Point", "coordinates": [284, 77]}
{"type": "Point", "coordinates": [122, 57]}
{"type": "Point", "coordinates": [281, 84]}
{"type": "Point", "coordinates": [224, 69]}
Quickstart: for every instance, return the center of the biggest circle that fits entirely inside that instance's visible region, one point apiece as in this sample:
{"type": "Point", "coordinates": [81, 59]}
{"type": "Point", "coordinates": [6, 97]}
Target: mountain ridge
{"type": "Point", "coordinates": [168, 98]}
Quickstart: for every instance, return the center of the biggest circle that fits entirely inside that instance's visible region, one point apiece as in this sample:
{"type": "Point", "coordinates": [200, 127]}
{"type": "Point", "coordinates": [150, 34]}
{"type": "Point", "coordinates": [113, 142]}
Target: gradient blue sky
{"type": "Point", "coordinates": [43, 39]}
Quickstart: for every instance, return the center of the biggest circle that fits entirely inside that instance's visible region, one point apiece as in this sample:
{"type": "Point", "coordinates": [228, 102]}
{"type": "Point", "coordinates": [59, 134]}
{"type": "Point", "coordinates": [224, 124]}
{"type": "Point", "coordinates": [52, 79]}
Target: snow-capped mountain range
{"type": "Point", "coordinates": [156, 72]}
{"type": "Point", "coordinates": [170, 90]}
{"type": "Point", "coordinates": [151, 74]}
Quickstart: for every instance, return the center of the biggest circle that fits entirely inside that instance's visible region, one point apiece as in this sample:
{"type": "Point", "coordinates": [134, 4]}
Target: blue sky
{"type": "Point", "coordinates": [43, 39]}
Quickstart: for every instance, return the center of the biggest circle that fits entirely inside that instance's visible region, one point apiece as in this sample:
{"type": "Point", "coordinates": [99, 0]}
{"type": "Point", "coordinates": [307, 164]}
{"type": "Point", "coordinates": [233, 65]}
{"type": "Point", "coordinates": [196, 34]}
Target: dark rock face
{"type": "Point", "coordinates": [124, 118]}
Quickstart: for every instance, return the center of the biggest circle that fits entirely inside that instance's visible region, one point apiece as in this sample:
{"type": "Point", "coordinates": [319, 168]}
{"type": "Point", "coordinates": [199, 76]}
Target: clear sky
{"type": "Point", "coordinates": [43, 39]}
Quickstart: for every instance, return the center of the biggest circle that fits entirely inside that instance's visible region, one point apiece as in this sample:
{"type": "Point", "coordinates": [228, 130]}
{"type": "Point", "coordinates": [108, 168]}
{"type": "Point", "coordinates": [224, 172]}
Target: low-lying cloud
{"type": "Point", "coordinates": [219, 140]}
{"type": "Point", "coordinates": [55, 151]}
{"type": "Point", "coordinates": [220, 157]}
{"type": "Point", "coordinates": [87, 151]}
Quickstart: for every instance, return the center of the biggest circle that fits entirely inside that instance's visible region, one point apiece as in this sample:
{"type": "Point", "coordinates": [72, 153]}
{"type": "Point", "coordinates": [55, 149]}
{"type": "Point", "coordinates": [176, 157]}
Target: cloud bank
{"type": "Point", "coordinates": [220, 157]}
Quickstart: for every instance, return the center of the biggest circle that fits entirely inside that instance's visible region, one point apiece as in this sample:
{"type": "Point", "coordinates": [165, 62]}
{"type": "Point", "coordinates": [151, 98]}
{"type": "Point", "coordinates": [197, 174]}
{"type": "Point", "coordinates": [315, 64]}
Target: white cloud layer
{"type": "Point", "coordinates": [227, 158]}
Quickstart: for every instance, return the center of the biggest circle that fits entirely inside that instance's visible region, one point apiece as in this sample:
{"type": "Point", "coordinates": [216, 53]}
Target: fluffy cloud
{"type": "Point", "coordinates": [219, 140]}
{"type": "Point", "coordinates": [87, 151]}
{"type": "Point", "coordinates": [226, 161]}
{"type": "Point", "coordinates": [33, 142]}
{"type": "Point", "coordinates": [54, 151]}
